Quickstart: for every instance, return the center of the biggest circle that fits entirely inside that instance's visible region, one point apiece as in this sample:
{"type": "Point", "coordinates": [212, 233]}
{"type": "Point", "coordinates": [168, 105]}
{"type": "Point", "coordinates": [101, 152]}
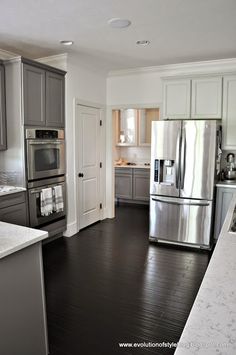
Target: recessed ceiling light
{"type": "Point", "coordinates": [119, 23]}
{"type": "Point", "coordinates": [143, 43]}
{"type": "Point", "coordinates": [67, 43]}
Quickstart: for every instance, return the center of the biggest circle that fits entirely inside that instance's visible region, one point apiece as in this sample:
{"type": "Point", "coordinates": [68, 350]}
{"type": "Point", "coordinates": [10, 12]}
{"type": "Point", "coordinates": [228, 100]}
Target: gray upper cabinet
{"type": "Point", "coordinates": [3, 140]}
{"type": "Point", "coordinates": [34, 95]}
{"type": "Point", "coordinates": [55, 93]}
{"type": "Point", "coordinates": [44, 97]}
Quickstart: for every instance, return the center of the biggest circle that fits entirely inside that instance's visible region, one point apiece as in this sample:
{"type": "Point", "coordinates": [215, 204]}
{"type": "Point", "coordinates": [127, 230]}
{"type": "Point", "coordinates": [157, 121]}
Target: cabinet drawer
{"type": "Point", "coordinates": [142, 172]}
{"type": "Point", "coordinates": [16, 214]}
{"type": "Point", "coordinates": [126, 171]}
{"type": "Point", "coordinates": [12, 199]}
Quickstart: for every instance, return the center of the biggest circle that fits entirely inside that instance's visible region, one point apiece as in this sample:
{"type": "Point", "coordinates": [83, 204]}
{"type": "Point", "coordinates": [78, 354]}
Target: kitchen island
{"type": "Point", "coordinates": [211, 325]}
{"type": "Point", "coordinates": [22, 300]}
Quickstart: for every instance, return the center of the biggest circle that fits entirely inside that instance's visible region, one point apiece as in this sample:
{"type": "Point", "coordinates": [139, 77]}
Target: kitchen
{"type": "Point", "coordinates": [132, 89]}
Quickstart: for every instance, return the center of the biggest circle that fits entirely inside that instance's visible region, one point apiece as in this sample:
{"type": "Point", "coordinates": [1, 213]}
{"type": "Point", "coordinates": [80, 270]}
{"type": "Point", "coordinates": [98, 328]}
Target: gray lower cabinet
{"type": "Point", "coordinates": [223, 198]}
{"type": "Point", "coordinates": [44, 97]}
{"type": "Point", "coordinates": [123, 183]}
{"type": "Point", "coordinates": [141, 184]}
{"type": "Point", "coordinates": [13, 209]}
{"type": "Point", "coordinates": [132, 184]}
{"type": "Point", "coordinates": [3, 134]}
{"type": "Point", "coordinates": [22, 303]}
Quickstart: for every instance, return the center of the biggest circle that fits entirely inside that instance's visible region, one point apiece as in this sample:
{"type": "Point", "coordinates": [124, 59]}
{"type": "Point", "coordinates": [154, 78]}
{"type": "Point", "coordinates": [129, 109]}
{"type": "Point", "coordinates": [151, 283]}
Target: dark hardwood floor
{"type": "Point", "coordinates": [108, 285]}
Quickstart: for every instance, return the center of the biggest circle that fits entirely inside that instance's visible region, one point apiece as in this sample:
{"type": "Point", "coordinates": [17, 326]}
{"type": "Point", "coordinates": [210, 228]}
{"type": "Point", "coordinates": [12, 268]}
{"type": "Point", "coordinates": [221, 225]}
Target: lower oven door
{"type": "Point", "coordinates": [36, 219]}
{"type": "Point", "coordinates": [45, 158]}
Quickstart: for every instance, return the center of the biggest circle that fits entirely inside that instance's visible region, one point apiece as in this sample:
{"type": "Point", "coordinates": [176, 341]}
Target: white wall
{"type": "Point", "coordinates": [89, 86]}
{"type": "Point", "coordinates": [139, 88]}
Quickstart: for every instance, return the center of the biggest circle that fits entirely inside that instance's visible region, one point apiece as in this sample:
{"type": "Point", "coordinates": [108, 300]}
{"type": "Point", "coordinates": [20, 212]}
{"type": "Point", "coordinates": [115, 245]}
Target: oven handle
{"type": "Point", "coordinates": [46, 143]}
{"type": "Point", "coordinates": [35, 191]}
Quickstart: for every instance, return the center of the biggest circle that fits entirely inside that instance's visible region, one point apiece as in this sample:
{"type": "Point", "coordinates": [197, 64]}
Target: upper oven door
{"type": "Point", "coordinates": [45, 158]}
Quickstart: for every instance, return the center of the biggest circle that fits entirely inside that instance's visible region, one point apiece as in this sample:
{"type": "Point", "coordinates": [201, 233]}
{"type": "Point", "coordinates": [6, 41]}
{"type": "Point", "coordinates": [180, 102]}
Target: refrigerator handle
{"type": "Point", "coordinates": [182, 159]}
{"type": "Point", "coordinates": [177, 161]}
{"type": "Point", "coordinates": [177, 202]}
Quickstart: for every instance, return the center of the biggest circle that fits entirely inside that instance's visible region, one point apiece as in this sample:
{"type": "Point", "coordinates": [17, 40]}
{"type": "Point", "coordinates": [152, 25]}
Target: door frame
{"type": "Point", "coordinates": [101, 108]}
{"type": "Point", "coordinates": [110, 170]}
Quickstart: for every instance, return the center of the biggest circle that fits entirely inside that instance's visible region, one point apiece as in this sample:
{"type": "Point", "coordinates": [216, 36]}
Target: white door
{"type": "Point", "coordinates": [88, 164]}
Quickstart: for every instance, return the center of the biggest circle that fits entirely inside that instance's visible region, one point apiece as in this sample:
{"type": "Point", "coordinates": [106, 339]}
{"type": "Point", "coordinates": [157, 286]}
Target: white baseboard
{"type": "Point", "coordinates": [71, 230]}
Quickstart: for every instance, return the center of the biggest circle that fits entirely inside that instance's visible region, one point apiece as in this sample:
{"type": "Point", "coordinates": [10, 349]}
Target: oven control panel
{"type": "Point", "coordinates": [39, 133]}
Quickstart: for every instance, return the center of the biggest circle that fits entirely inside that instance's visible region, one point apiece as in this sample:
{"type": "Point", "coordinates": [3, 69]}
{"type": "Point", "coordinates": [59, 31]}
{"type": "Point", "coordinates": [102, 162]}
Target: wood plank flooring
{"type": "Point", "coordinates": [109, 285]}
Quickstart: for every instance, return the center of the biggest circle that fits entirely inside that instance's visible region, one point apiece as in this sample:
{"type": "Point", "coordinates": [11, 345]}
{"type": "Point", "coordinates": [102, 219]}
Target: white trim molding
{"type": "Point", "coordinates": [4, 55]}
{"type": "Point", "coordinates": [71, 229]}
{"type": "Point", "coordinates": [59, 61]}
{"type": "Point", "coordinates": [202, 67]}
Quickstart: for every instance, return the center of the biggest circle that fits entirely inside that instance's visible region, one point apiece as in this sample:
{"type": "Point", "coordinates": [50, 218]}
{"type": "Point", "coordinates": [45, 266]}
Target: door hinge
{"type": "Point", "coordinates": [100, 122]}
{"type": "Point", "coordinates": [100, 206]}
{"type": "Point", "coordinates": [101, 165]}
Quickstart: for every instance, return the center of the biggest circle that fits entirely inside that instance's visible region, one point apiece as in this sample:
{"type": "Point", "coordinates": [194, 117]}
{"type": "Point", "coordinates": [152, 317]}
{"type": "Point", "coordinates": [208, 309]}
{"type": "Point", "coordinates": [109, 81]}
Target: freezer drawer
{"type": "Point", "coordinates": [180, 220]}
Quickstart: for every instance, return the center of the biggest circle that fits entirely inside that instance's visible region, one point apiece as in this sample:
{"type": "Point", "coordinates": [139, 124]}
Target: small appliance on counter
{"type": "Point", "coordinates": [230, 170]}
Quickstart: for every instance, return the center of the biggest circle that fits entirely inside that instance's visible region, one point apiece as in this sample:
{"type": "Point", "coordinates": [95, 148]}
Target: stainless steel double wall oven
{"type": "Point", "coordinates": [45, 155]}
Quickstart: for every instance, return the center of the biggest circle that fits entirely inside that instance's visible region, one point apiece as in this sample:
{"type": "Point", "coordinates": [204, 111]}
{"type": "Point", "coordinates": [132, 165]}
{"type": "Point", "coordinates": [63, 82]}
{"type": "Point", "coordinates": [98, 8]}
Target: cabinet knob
{"type": "Point", "coordinates": [80, 175]}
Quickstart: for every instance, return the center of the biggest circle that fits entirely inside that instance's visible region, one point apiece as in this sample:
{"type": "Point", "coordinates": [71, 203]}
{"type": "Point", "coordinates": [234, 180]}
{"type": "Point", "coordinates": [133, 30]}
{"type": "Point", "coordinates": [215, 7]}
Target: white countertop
{"type": "Point", "coordinates": [227, 184]}
{"type": "Point", "coordinates": [6, 189]}
{"type": "Point", "coordinates": [14, 238]}
{"type": "Point", "coordinates": [137, 166]}
{"type": "Point", "coordinates": [211, 325]}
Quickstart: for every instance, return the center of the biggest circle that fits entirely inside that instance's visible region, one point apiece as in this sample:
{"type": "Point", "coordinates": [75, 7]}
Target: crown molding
{"type": "Point", "coordinates": [58, 60]}
{"type": "Point", "coordinates": [209, 66]}
{"type": "Point", "coordinates": [5, 55]}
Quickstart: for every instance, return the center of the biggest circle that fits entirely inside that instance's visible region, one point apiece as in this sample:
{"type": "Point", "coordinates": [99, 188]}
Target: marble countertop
{"type": "Point", "coordinates": [211, 325]}
{"type": "Point", "coordinates": [14, 238]}
{"type": "Point", "coordinates": [6, 189]}
{"type": "Point", "coordinates": [137, 166]}
{"type": "Point", "coordinates": [231, 184]}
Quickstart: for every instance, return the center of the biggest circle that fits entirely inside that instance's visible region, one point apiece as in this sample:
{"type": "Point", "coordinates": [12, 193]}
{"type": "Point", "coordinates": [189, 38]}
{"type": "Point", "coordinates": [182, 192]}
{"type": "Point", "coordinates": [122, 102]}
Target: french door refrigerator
{"type": "Point", "coordinates": [183, 170]}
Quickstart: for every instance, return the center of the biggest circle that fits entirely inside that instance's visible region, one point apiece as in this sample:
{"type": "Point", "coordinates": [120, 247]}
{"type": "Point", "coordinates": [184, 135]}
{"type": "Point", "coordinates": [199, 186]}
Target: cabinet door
{"type": "Point", "coordinates": [206, 97]}
{"type": "Point", "coordinates": [55, 100]}
{"type": "Point", "coordinates": [34, 95]}
{"type": "Point", "coordinates": [176, 99]}
{"type": "Point", "coordinates": [229, 112]}
{"type": "Point", "coordinates": [123, 184]}
{"type": "Point", "coordinates": [3, 140]}
{"type": "Point", "coordinates": [145, 118]}
{"type": "Point", "coordinates": [223, 199]}
{"type": "Point", "coordinates": [14, 214]}
{"type": "Point", "coordinates": [141, 184]}
{"type": "Point", "coordinates": [126, 127]}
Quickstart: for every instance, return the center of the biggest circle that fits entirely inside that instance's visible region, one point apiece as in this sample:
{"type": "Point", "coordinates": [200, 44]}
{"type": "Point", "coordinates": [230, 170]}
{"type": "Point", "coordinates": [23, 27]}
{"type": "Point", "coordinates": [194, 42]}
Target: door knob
{"type": "Point", "coordinates": [80, 175]}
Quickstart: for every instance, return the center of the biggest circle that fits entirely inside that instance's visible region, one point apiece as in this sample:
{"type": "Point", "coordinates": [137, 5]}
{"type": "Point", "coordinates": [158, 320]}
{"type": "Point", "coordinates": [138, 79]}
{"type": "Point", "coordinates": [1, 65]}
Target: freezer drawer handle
{"type": "Point", "coordinates": [181, 203]}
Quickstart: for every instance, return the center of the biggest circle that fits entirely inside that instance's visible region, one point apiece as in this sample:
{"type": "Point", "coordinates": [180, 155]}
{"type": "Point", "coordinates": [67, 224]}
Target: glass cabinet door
{"type": "Point", "coordinates": [146, 117]}
{"type": "Point", "coordinates": [126, 127]}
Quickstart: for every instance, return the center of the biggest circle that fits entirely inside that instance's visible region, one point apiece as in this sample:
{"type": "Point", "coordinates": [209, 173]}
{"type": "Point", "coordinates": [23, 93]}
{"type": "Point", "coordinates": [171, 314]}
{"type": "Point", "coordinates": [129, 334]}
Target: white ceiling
{"type": "Point", "coordinates": [179, 30]}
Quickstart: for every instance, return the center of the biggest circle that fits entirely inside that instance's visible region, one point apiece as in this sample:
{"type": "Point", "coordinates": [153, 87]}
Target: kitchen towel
{"type": "Point", "coordinates": [58, 204]}
{"type": "Point", "coordinates": [46, 207]}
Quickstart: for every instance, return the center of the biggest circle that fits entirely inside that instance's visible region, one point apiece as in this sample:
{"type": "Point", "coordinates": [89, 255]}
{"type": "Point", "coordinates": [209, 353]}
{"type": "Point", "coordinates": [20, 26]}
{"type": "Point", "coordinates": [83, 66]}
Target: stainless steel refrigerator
{"type": "Point", "coordinates": [183, 171]}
